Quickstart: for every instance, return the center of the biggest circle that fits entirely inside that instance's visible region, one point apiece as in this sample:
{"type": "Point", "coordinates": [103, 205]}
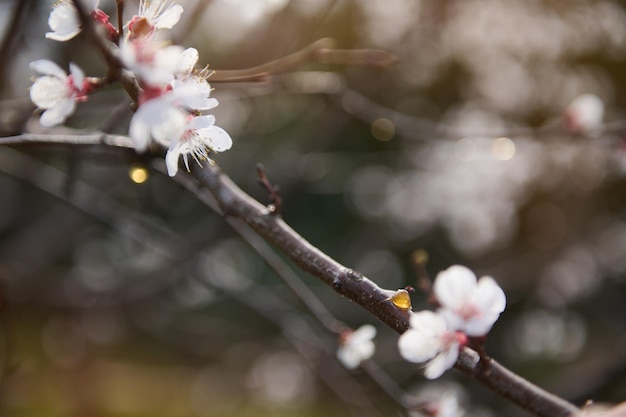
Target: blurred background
{"type": "Point", "coordinates": [123, 295]}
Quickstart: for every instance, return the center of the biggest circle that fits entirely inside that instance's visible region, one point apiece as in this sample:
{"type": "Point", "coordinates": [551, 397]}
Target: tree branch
{"type": "Point", "coordinates": [359, 289]}
{"type": "Point", "coordinates": [321, 51]}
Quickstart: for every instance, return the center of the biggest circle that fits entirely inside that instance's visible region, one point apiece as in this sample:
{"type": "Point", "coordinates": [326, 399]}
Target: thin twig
{"type": "Point", "coordinates": [108, 50]}
{"type": "Point", "coordinates": [273, 190]}
{"type": "Point", "coordinates": [120, 17]}
{"type": "Point", "coordinates": [69, 139]}
{"type": "Point", "coordinates": [321, 51]}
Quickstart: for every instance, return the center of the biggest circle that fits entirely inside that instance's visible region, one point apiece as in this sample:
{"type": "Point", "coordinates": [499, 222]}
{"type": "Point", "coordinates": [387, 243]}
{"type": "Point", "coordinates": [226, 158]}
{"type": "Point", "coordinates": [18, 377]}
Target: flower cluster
{"type": "Point", "coordinates": [467, 308]}
{"type": "Point", "coordinates": [174, 97]}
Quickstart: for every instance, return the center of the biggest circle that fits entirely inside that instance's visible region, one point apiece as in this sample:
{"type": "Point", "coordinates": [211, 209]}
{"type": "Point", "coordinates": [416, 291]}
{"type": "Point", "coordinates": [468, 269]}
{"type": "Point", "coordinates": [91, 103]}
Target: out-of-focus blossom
{"type": "Point", "coordinates": [584, 114]}
{"type": "Point", "coordinates": [357, 346]}
{"type": "Point", "coordinates": [468, 305]}
{"type": "Point", "coordinates": [429, 340]}
{"type": "Point", "coordinates": [153, 64]}
{"type": "Point", "coordinates": [440, 399]}
{"type": "Point", "coordinates": [154, 15]}
{"type": "Point", "coordinates": [200, 137]}
{"type": "Point", "coordinates": [56, 92]}
{"type": "Point", "coordinates": [65, 22]}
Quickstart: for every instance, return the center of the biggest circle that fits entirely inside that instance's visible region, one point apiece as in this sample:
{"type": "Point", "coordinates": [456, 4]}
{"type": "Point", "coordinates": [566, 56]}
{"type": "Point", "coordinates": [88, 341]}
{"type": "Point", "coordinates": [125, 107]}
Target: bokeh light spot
{"type": "Point", "coordinates": [383, 129]}
{"type": "Point", "coordinates": [138, 174]}
{"type": "Point", "coordinates": [503, 149]}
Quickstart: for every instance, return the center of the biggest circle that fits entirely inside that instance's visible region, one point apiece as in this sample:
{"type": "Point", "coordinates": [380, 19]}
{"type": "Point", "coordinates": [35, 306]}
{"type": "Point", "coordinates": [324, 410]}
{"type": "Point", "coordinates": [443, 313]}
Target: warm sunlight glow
{"type": "Point", "coordinates": [138, 174]}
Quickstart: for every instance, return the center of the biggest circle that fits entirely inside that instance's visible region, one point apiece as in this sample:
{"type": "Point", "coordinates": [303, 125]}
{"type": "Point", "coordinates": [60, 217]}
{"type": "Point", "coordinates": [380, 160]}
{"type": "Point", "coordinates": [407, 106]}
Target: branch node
{"type": "Point", "coordinates": [354, 275]}
{"type": "Point", "coordinates": [276, 207]}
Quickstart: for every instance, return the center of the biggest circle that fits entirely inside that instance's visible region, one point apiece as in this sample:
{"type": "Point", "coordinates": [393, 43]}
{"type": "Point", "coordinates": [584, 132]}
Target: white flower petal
{"type": "Point", "coordinates": [188, 60]}
{"type": "Point", "coordinates": [47, 91]}
{"type": "Point", "coordinates": [428, 321]}
{"type": "Point", "coordinates": [169, 17]}
{"type": "Point", "coordinates": [201, 122]}
{"type": "Point", "coordinates": [442, 362]}
{"type": "Point", "coordinates": [47, 67]}
{"type": "Point", "coordinates": [363, 333]}
{"type": "Point", "coordinates": [139, 132]}
{"type": "Point", "coordinates": [57, 114]}
{"type": "Point", "coordinates": [172, 127]}
{"type": "Point", "coordinates": [193, 96]}
{"type": "Point", "coordinates": [171, 160]}
{"type": "Point", "coordinates": [64, 22]}
{"type": "Point", "coordinates": [78, 76]}
{"type": "Point", "coordinates": [452, 285]}
{"type": "Point", "coordinates": [416, 346]}
{"type": "Point", "coordinates": [480, 326]}
{"type": "Point", "coordinates": [218, 139]}
{"type": "Point", "coordinates": [453, 320]}
{"type": "Point", "coordinates": [347, 358]}
{"type": "Point", "coordinates": [489, 296]}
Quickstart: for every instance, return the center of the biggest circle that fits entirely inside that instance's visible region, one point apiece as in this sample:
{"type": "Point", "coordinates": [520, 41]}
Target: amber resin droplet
{"type": "Point", "coordinates": [401, 299]}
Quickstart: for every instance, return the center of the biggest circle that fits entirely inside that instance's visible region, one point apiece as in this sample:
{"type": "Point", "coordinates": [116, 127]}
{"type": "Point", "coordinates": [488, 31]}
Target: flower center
{"type": "Point", "coordinates": [468, 311]}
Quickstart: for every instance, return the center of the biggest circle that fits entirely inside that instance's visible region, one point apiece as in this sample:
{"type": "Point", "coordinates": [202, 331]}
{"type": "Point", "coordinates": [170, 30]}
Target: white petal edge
{"type": "Point", "coordinates": [429, 321]}
{"type": "Point", "coordinates": [442, 362]}
{"type": "Point", "coordinates": [169, 18]}
{"type": "Point", "coordinates": [489, 296]}
{"type": "Point", "coordinates": [78, 75]}
{"type": "Point", "coordinates": [219, 140]}
{"type": "Point", "coordinates": [171, 160]}
{"type": "Point", "coordinates": [201, 122]}
{"type": "Point", "coordinates": [47, 67]}
{"type": "Point", "coordinates": [57, 114]}
{"type": "Point", "coordinates": [347, 358]}
{"type": "Point", "coordinates": [453, 285]}
{"type": "Point", "coordinates": [188, 60]}
{"type": "Point", "coordinates": [363, 333]}
{"type": "Point", "coordinates": [417, 347]}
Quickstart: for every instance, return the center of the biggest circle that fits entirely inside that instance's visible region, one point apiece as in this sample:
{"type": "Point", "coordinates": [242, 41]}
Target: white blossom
{"type": "Point", "coordinates": [165, 118]}
{"type": "Point", "coordinates": [200, 137]}
{"type": "Point", "coordinates": [162, 14]}
{"type": "Point", "coordinates": [468, 305]}
{"type": "Point", "coordinates": [152, 63]}
{"type": "Point", "coordinates": [357, 346]}
{"type": "Point", "coordinates": [64, 20]}
{"type": "Point", "coordinates": [585, 113]}
{"type": "Point", "coordinates": [56, 92]}
{"type": "Point", "coordinates": [429, 340]}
